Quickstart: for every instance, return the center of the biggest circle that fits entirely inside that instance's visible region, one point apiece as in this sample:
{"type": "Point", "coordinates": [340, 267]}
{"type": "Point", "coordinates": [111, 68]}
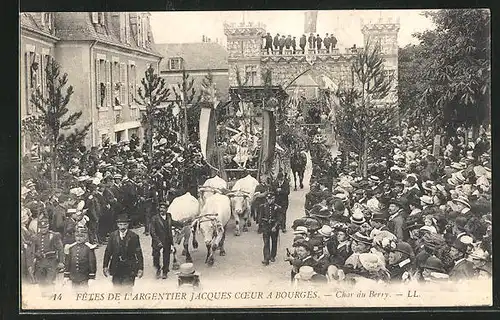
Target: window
{"type": "Point", "coordinates": [46, 19]}
{"type": "Point", "coordinates": [251, 75]}
{"type": "Point", "coordinates": [102, 84]}
{"type": "Point", "coordinates": [28, 59]}
{"type": "Point", "coordinates": [115, 72]}
{"type": "Point", "coordinates": [132, 84]}
{"type": "Point", "coordinates": [175, 63]}
{"type": "Point", "coordinates": [98, 17]}
{"type": "Point", "coordinates": [139, 30]}
{"type": "Point", "coordinates": [127, 27]}
{"type": "Point", "coordinates": [123, 83]}
{"type": "Point", "coordinates": [44, 63]}
{"type": "Point", "coordinates": [119, 136]}
{"type": "Point", "coordinates": [144, 33]}
{"type": "Point", "coordinates": [108, 84]}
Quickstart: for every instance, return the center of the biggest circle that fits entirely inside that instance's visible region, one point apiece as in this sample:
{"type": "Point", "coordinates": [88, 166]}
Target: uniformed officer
{"type": "Point", "coordinates": [269, 223]}
{"type": "Point", "coordinates": [80, 261]}
{"type": "Point", "coordinates": [48, 254]}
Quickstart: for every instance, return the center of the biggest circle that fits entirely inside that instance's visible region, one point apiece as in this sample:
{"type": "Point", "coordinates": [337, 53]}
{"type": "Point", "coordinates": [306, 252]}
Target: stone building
{"type": "Point", "coordinates": [105, 55]}
{"type": "Point", "coordinates": [198, 60]}
{"type": "Point", "coordinates": [245, 53]}
{"type": "Point", "coordinates": [38, 40]}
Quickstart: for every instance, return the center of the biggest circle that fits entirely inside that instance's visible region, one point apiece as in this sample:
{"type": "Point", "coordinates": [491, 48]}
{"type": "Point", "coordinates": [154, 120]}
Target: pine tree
{"type": "Point", "coordinates": [154, 92]}
{"type": "Point", "coordinates": [52, 128]}
{"type": "Point", "coordinates": [189, 108]}
{"type": "Point", "coordinates": [362, 123]}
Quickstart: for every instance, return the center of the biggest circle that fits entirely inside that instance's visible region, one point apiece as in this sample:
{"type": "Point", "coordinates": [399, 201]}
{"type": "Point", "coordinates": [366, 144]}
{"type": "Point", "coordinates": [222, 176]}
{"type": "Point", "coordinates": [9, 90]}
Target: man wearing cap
{"type": "Point", "coordinates": [123, 257]}
{"type": "Point", "coordinates": [80, 260]}
{"type": "Point", "coordinates": [282, 190]}
{"type": "Point", "coordinates": [261, 191]}
{"type": "Point", "coordinates": [459, 252]}
{"type": "Point", "coordinates": [341, 248]}
{"type": "Point", "coordinates": [401, 262]}
{"type": "Point", "coordinates": [94, 211]}
{"type": "Point", "coordinates": [49, 256]}
{"type": "Point", "coordinates": [303, 257]}
{"type": "Point", "coordinates": [396, 219]}
{"type": "Point", "coordinates": [70, 225]}
{"type": "Point", "coordinates": [321, 259]}
{"type": "Point", "coordinates": [58, 213]}
{"type": "Point", "coordinates": [270, 222]}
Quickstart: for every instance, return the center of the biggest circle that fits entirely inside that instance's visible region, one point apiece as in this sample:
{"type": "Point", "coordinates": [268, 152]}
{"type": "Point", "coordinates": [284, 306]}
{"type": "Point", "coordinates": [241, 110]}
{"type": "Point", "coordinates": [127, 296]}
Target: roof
{"type": "Point", "coordinates": [196, 56]}
{"type": "Point", "coordinates": [31, 21]}
{"type": "Point", "coordinates": [79, 26]}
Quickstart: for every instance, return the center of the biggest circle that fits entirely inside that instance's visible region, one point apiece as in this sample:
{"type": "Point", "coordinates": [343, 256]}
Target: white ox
{"type": "Point", "coordinates": [241, 201]}
{"type": "Point", "coordinates": [212, 222]}
{"type": "Point", "coordinates": [184, 209]}
{"type": "Point", "coordinates": [207, 190]}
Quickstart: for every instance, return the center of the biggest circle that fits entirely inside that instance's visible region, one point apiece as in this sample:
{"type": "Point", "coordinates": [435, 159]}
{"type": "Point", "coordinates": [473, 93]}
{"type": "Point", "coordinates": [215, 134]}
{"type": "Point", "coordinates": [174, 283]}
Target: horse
{"type": "Point", "coordinates": [298, 163]}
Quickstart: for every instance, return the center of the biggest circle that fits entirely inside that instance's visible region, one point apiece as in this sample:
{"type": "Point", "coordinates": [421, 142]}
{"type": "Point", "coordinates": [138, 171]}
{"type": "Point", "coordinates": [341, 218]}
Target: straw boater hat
{"type": "Point", "coordinates": [300, 230]}
{"type": "Point", "coordinates": [186, 270]}
{"type": "Point", "coordinates": [358, 217]}
{"type": "Point", "coordinates": [359, 237]}
{"type": "Point", "coordinates": [325, 231]}
{"type": "Point", "coordinates": [371, 262]}
{"type": "Point", "coordinates": [426, 199]}
{"type": "Point", "coordinates": [463, 201]}
{"type": "Point", "coordinates": [306, 273]}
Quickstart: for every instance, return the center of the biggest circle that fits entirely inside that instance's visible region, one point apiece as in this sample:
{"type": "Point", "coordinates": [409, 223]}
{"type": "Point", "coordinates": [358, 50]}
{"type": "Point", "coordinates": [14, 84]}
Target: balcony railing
{"type": "Point", "coordinates": [300, 52]}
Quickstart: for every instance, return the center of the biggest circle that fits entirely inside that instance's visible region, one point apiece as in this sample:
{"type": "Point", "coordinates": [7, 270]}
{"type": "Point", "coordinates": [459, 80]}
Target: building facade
{"type": "Point", "coordinates": [105, 55]}
{"type": "Point", "coordinates": [327, 69]}
{"type": "Point", "coordinates": [198, 60]}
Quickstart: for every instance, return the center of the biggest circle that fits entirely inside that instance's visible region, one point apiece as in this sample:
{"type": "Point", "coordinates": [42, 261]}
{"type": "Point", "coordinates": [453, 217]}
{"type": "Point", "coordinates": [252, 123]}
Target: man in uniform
{"type": "Point", "coordinates": [123, 255]}
{"type": "Point", "coordinates": [269, 223]}
{"type": "Point", "coordinates": [282, 190]}
{"type": "Point", "coordinates": [80, 261]}
{"type": "Point", "coordinates": [48, 254]}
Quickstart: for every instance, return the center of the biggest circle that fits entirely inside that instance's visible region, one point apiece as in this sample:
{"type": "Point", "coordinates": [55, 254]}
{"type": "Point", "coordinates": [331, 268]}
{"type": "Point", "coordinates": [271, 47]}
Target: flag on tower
{"type": "Point", "coordinates": [311, 18]}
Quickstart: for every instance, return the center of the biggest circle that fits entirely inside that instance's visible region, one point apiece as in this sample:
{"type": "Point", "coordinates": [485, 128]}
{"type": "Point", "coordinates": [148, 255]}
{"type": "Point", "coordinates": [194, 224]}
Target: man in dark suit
{"type": "Point", "coordinates": [459, 252]}
{"type": "Point", "coordinates": [123, 256]}
{"type": "Point", "coordinates": [162, 239]}
{"type": "Point", "coordinates": [294, 45]}
{"type": "Point", "coordinates": [312, 41]}
{"type": "Point", "coordinates": [318, 42]}
{"type": "Point", "coordinates": [276, 41]}
{"type": "Point", "coordinates": [269, 223]}
{"type": "Point", "coordinates": [288, 42]}
{"type": "Point", "coordinates": [302, 43]}
{"type": "Point", "coordinates": [326, 42]}
{"type": "Point", "coordinates": [282, 190]}
{"type": "Point", "coordinates": [282, 44]}
{"type": "Point", "coordinates": [269, 43]}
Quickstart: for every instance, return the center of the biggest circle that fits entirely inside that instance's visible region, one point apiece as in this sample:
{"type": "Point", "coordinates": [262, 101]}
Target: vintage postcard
{"type": "Point", "coordinates": [255, 159]}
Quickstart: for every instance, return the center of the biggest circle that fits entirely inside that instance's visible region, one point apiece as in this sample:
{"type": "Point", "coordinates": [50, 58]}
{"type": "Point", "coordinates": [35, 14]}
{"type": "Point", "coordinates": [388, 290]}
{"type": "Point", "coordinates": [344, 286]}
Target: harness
{"type": "Point", "coordinates": [212, 218]}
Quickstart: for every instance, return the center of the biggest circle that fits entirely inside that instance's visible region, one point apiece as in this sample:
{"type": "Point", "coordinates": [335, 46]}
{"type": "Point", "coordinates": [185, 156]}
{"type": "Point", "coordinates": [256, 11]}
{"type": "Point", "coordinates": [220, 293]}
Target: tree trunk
{"type": "Point", "coordinates": [365, 158]}
{"type": "Point", "coordinates": [475, 132]}
{"type": "Point", "coordinates": [53, 165]}
{"type": "Point", "coordinates": [149, 139]}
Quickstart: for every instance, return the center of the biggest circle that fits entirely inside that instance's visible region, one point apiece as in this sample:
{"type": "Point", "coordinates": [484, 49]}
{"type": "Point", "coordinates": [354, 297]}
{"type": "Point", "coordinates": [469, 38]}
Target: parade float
{"type": "Point", "coordinates": [244, 141]}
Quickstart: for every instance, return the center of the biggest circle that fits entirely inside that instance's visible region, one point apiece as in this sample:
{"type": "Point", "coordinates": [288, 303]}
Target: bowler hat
{"type": "Point", "coordinates": [405, 248]}
{"type": "Point", "coordinates": [434, 264]}
{"type": "Point", "coordinates": [380, 216]}
{"type": "Point", "coordinates": [303, 243]}
{"type": "Point", "coordinates": [123, 218]}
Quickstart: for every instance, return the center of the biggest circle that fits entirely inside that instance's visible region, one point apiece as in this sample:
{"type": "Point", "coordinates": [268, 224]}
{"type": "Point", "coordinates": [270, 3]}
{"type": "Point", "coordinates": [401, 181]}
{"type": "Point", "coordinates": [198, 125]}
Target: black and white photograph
{"type": "Point", "coordinates": [255, 159]}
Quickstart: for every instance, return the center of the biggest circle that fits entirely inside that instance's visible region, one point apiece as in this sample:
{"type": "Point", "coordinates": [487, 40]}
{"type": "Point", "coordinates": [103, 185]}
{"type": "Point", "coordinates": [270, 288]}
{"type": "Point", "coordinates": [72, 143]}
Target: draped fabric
{"type": "Point", "coordinates": [310, 21]}
{"type": "Point", "coordinates": [207, 135]}
{"type": "Point", "coordinates": [268, 138]}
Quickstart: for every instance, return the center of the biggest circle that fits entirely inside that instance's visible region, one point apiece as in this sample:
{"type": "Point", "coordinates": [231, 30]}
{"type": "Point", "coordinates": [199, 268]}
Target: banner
{"type": "Point", "coordinates": [207, 134]}
{"type": "Point", "coordinates": [268, 138]}
{"type": "Point", "coordinates": [310, 20]}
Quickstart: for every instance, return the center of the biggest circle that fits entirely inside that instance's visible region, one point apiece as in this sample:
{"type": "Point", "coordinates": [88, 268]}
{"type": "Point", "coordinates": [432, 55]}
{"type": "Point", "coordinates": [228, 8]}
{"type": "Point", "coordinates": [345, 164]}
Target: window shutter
{"type": "Point", "coordinates": [123, 83]}
{"type": "Point", "coordinates": [109, 90]}
{"type": "Point", "coordinates": [28, 81]}
{"type": "Point", "coordinates": [98, 82]}
{"type": "Point", "coordinates": [139, 30]}
{"type": "Point", "coordinates": [38, 59]}
{"type": "Point", "coordinates": [42, 75]}
{"type": "Point", "coordinates": [127, 27]}
{"type": "Point", "coordinates": [95, 17]}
